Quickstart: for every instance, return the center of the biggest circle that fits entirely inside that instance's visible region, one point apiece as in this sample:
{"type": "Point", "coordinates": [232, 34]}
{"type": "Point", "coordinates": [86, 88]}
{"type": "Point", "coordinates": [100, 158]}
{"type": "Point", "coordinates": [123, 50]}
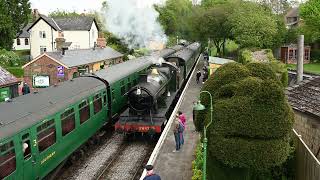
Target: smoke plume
{"type": "Point", "coordinates": [135, 22]}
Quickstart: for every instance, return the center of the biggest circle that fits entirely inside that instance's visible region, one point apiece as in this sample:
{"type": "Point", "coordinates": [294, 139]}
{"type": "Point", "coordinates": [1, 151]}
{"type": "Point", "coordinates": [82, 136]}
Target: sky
{"type": "Point", "coordinates": [46, 6]}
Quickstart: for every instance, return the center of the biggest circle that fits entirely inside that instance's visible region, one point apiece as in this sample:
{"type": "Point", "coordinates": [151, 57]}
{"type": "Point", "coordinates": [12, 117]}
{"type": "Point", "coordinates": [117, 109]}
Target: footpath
{"type": "Point", "coordinates": [178, 165]}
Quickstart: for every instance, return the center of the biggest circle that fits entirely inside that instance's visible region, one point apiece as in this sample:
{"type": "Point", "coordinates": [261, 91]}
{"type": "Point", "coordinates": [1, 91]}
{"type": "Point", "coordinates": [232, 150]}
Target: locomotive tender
{"type": "Point", "coordinates": [38, 131]}
{"type": "Point", "coordinates": [152, 100]}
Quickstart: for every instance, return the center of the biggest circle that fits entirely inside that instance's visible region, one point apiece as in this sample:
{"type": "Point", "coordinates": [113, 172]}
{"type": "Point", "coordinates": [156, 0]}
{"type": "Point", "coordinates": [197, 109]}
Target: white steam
{"type": "Point", "coordinates": [135, 22]}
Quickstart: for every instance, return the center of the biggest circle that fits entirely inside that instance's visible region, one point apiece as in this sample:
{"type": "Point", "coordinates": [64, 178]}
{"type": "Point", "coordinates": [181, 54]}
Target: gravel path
{"type": "Point", "coordinates": [129, 161]}
{"type": "Point", "coordinates": [96, 162]}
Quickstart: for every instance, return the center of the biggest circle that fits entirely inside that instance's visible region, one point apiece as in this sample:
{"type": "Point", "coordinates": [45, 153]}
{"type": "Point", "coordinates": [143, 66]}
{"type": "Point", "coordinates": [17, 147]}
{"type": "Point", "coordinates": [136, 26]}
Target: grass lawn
{"type": "Point", "coordinates": [308, 68]}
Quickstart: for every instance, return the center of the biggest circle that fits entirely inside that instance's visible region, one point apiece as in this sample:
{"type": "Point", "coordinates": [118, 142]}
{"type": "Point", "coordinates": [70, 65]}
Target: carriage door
{"type": "Point", "coordinates": [28, 147]}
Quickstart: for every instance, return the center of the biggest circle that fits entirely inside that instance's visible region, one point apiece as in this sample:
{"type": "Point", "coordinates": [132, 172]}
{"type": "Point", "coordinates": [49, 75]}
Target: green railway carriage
{"type": "Point", "coordinates": [39, 131]}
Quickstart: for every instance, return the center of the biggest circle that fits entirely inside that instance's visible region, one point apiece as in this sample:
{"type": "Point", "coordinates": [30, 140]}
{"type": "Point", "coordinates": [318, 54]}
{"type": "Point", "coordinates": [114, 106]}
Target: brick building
{"type": "Point", "coordinates": [305, 101]}
{"type": "Point", "coordinates": [8, 85]}
{"type": "Point", "coordinates": [53, 67]}
{"type": "Point", "coordinates": [289, 54]}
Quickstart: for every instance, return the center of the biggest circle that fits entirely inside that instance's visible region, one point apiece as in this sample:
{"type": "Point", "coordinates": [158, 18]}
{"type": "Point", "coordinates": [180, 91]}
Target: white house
{"type": "Point", "coordinates": [79, 33]}
{"type": "Point", "coordinates": [22, 41]}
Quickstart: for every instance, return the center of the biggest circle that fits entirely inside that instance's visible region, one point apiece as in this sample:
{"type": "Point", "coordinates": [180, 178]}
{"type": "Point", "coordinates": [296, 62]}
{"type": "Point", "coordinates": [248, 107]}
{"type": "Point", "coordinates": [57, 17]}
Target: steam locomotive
{"type": "Point", "coordinates": [152, 100]}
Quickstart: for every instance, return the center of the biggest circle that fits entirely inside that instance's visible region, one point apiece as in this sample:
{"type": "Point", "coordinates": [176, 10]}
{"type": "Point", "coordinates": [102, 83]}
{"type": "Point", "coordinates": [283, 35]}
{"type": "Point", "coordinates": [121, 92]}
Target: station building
{"type": "Point", "coordinates": [8, 85]}
{"type": "Point", "coordinates": [51, 68]}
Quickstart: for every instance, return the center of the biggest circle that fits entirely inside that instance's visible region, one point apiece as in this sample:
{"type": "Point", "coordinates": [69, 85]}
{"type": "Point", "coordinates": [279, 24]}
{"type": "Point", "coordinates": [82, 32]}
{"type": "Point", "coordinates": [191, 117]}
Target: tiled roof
{"type": "Point", "coordinates": [305, 97]}
{"type": "Point", "coordinates": [78, 57]}
{"type": "Point", "coordinates": [24, 32]}
{"type": "Point", "coordinates": [6, 78]}
{"type": "Point", "coordinates": [79, 23]}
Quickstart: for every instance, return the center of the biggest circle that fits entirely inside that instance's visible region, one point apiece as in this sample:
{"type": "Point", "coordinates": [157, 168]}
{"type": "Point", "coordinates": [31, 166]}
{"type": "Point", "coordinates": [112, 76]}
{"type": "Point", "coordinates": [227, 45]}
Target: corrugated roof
{"type": "Point", "coordinates": [217, 60]}
{"type": "Point", "coordinates": [305, 97]}
{"type": "Point", "coordinates": [6, 78]}
{"type": "Point", "coordinates": [80, 57]}
{"type": "Point", "coordinates": [25, 111]}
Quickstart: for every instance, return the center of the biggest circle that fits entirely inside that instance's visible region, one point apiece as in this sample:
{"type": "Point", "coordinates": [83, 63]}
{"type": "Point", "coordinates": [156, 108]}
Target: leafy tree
{"type": "Point", "coordinates": [310, 13]}
{"type": "Point", "coordinates": [174, 17]}
{"type": "Point", "coordinates": [212, 23]}
{"type": "Point", "coordinates": [9, 59]}
{"type": "Point", "coordinates": [13, 16]}
{"type": "Point", "coordinates": [254, 26]}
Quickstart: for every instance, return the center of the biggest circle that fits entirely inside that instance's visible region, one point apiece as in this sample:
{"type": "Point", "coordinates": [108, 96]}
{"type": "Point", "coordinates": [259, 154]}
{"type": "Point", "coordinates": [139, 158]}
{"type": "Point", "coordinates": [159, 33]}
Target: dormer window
{"type": "Point", "coordinates": [42, 34]}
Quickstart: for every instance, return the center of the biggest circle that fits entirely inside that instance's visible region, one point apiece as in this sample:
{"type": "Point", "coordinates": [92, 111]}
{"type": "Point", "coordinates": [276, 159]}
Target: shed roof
{"type": "Point", "coordinates": [6, 78]}
{"type": "Point", "coordinates": [25, 111]}
{"type": "Point", "coordinates": [80, 57]}
{"type": "Point", "coordinates": [305, 97]}
{"type": "Point", "coordinates": [217, 60]}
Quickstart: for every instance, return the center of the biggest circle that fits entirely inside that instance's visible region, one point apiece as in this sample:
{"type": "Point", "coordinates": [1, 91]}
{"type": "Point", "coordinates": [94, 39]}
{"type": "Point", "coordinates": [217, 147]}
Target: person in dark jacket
{"type": "Point", "coordinates": [25, 89]}
{"type": "Point", "coordinates": [198, 75]}
{"type": "Point", "coordinates": [150, 174]}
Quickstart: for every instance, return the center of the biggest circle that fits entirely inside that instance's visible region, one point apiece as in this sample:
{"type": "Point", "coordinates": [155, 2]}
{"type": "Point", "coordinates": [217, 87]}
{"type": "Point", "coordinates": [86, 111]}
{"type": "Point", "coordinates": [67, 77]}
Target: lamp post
{"type": "Point", "coordinates": [200, 107]}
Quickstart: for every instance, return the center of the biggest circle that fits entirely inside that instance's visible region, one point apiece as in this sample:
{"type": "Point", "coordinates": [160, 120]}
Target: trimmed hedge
{"type": "Point", "coordinates": [258, 154]}
{"type": "Point", "coordinates": [251, 119]}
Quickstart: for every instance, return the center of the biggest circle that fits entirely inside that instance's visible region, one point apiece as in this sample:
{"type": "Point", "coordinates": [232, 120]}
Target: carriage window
{"type": "Point", "coordinates": [26, 148]}
{"type": "Point", "coordinates": [84, 111]}
{"type": "Point", "coordinates": [68, 121]}
{"type": "Point", "coordinates": [46, 135]}
{"type": "Point", "coordinates": [104, 99]}
{"type": "Point", "coordinates": [113, 95]}
{"type": "Point", "coordinates": [97, 103]}
{"type": "Point", "coordinates": [7, 159]}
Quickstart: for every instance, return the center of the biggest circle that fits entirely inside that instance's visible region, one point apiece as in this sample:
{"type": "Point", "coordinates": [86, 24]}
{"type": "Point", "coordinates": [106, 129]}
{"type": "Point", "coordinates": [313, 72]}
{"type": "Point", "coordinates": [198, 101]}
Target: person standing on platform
{"type": "Point", "coordinates": [25, 89]}
{"type": "Point", "coordinates": [205, 76]}
{"type": "Point", "coordinates": [150, 174]}
{"type": "Point", "coordinates": [176, 134]}
{"type": "Point", "coordinates": [182, 119]}
{"type": "Point", "coordinates": [198, 76]}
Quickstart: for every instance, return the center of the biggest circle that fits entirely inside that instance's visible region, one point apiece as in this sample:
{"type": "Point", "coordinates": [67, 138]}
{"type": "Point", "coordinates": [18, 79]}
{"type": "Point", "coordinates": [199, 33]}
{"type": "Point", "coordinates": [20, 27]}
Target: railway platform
{"type": "Point", "coordinates": [178, 165]}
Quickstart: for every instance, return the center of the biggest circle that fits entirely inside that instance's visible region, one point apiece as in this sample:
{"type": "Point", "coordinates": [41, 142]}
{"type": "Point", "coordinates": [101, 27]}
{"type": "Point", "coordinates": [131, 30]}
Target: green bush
{"type": "Point", "coordinates": [197, 164]}
{"type": "Point", "coordinates": [251, 118]}
{"type": "Point", "coordinates": [9, 59]}
{"type": "Point", "coordinates": [16, 71]}
{"type": "Point", "coordinates": [245, 56]}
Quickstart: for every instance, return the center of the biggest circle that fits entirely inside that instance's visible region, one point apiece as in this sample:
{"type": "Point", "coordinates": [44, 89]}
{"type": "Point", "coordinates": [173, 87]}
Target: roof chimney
{"type": "Point", "coordinates": [35, 15]}
{"type": "Point", "coordinates": [60, 41]}
{"type": "Point", "coordinates": [101, 41]}
{"type": "Point", "coordinates": [300, 58]}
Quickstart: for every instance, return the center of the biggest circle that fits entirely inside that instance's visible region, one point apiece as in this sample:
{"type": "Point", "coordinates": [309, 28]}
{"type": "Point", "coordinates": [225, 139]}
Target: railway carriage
{"type": "Point", "coordinates": [38, 131]}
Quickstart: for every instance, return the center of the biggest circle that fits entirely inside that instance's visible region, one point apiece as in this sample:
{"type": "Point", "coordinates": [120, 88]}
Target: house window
{"type": "Point", "coordinates": [306, 54]}
{"type": "Point", "coordinates": [43, 49]}
{"type": "Point", "coordinates": [42, 34]}
{"type": "Point", "coordinates": [26, 41]}
{"type": "Point", "coordinates": [290, 54]}
{"type": "Point", "coordinates": [18, 41]}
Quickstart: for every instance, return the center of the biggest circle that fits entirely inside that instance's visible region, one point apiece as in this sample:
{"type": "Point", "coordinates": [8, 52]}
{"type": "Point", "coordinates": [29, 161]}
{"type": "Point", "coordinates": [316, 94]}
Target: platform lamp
{"type": "Point", "coordinates": [200, 107]}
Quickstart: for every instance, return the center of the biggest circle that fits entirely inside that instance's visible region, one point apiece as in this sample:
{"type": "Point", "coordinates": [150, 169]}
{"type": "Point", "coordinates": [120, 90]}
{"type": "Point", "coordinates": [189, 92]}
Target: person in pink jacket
{"type": "Point", "coordinates": [182, 119]}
